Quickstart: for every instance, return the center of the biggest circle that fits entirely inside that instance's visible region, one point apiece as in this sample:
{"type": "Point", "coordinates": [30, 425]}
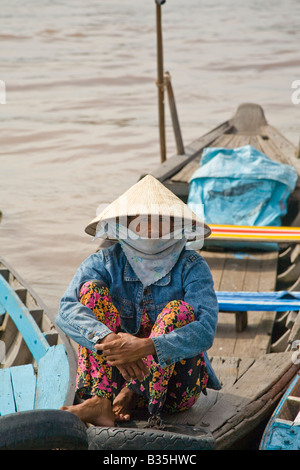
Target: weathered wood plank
{"type": "Point", "coordinates": [216, 262]}
{"type": "Point", "coordinates": [230, 369]}
{"type": "Point", "coordinates": [53, 378]}
{"type": "Point", "coordinates": [20, 315]}
{"type": "Point", "coordinates": [283, 144]}
{"type": "Point", "coordinates": [23, 381]}
{"type": "Point", "coordinates": [251, 272]}
{"type": "Point", "coordinates": [187, 171]}
{"type": "Point", "coordinates": [270, 149]}
{"type": "Point", "coordinates": [259, 378]}
{"type": "Point", "coordinates": [7, 402]}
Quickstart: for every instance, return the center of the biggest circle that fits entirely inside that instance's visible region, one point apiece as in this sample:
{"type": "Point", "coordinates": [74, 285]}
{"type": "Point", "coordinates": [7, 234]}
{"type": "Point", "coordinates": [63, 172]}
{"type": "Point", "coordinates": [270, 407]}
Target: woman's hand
{"type": "Point", "coordinates": [126, 351]}
{"type": "Point", "coordinates": [126, 348]}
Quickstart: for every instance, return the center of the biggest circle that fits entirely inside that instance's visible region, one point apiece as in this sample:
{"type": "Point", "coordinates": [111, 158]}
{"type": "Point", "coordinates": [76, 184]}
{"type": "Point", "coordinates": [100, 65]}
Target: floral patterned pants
{"type": "Point", "coordinates": [174, 388]}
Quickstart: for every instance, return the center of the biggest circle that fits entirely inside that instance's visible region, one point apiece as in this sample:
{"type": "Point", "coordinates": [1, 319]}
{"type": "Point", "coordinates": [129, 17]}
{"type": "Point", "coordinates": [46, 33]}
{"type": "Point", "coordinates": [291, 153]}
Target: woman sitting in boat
{"type": "Point", "coordinates": [143, 311]}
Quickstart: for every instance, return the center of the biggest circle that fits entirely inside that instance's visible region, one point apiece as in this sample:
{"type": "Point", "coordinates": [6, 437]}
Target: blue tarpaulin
{"type": "Point", "coordinates": [241, 186]}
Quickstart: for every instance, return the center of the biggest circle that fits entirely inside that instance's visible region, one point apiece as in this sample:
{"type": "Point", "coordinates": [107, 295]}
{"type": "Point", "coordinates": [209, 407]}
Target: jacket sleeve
{"type": "Point", "coordinates": [75, 319]}
{"type": "Point", "coordinates": [196, 337]}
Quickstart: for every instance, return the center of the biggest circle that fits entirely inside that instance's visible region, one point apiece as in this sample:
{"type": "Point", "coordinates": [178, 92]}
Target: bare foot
{"type": "Point", "coordinates": [95, 410]}
{"type": "Point", "coordinates": [123, 404]}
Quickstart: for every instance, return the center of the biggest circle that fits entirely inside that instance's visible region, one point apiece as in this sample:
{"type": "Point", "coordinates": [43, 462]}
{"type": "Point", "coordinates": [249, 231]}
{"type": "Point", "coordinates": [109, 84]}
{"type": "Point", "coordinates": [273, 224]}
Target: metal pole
{"type": "Point", "coordinates": [160, 81]}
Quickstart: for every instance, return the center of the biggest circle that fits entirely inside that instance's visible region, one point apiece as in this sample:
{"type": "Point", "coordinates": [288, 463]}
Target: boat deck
{"type": "Point", "coordinates": [252, 377]}
{"type": "Point", "coordinates": [243, 334]}
{"type": "Point", "coordinates": [253, 371]}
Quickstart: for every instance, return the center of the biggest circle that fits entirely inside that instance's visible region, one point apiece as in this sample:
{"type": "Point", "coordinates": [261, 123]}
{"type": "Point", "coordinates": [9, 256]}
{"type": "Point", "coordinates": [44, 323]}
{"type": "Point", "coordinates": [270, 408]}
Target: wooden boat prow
{"type": "Point", "coordinates": [253, 359]}
{"type": "Point", "coordinates": [248, 126]}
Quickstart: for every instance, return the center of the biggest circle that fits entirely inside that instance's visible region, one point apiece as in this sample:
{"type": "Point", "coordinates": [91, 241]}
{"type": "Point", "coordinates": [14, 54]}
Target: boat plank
{"type": "Point", "coordinates": [224, 141]}
{"type": "Point", "coordinates": [237, 272]}
{"type": "Point", "coordinates": [21, 317]}
{"type": "Point", "coordinates": [187, 171]}
{"type": "Point", "coordinates": [265, 372]}
{"type": "Point", "coordinates": [286, 147]}
{"type": "Point", "coordinates": [270, 149]}
{"type": "Point", "coordinates": [216, 262]}
{"type": "Point", "coordinates": [260, 276]}
{"type": "Point", "coordinates": [230, 369]}
{"type": "Point", "coordinates": [23, 381]}
{"type": "Point", "coordinates": [7, 401]}
{"type": "Point", "coordinates": [52, 379]}
{"type": "Point", "coordinates": [255, 143]}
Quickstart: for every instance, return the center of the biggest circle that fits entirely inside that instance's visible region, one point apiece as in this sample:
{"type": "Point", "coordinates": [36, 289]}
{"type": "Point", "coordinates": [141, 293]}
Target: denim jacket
{"type": "Point", "coordinates": [189, 280]}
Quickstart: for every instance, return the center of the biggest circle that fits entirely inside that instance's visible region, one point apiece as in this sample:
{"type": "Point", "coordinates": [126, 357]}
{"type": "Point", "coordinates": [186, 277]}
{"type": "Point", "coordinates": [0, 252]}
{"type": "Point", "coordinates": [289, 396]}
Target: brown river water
{"type": "Point", "coordinates": [80, 124]}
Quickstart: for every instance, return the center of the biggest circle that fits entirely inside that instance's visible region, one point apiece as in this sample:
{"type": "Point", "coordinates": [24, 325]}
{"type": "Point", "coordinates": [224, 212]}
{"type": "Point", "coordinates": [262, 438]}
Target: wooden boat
{"type": "Point", "coordinates": [283, 429]}
{"type": "Point", "coordinates": [252, 352]}
{"type": "Point", "coordinates": [254, 357]}
{"type": "Point", "coordinates": [37, 370]}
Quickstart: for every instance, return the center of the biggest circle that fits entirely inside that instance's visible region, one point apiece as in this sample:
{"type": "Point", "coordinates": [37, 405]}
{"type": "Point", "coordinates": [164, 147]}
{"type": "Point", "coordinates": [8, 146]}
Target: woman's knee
{"type": "Point", "coordinates": [176, 314]}
{"type": "Point", "coordinates": [90, 286]}
{"type": "Point", "coordinates": [180, 310]}
{"type": "Point", "coordinates": [95, 295]}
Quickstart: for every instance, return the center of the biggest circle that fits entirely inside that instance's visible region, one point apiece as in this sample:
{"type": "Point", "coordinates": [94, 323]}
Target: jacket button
{"type": "Point", "coordinates": [168, 361]}
{"type": "Point", "coordinates": [91, 335]}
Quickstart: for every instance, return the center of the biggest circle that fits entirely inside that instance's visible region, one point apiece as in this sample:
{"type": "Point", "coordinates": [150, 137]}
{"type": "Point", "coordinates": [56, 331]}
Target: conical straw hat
{"type": "Point", "coordinates": [147, 197]}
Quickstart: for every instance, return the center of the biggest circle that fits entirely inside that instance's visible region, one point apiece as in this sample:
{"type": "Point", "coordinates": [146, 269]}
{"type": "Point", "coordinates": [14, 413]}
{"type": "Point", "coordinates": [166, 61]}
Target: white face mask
{"type": "Point", "coordinates": [150, 258]}
{"type": "Point", "coordinates": [150, 246]}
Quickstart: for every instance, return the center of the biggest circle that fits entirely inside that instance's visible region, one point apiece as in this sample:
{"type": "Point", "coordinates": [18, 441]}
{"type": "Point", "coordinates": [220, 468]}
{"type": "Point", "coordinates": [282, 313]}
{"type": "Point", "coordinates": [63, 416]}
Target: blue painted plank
{"type": "Point", "coordinates": [2, 309]}
{"type": "Point", "coordinates": [279, 435]}
{"type": "Point", "coordinates": [7, 402]}
{"type": "Point", "coordinates": [283, 437]}
{"type": "Point", "coordinates": [53, 378]}
{"type": "Point", "coordinates": [256, 301]}
{"type": "Point", "coordinates": [23, 381]}
{"type": "Point", "coordinates": [30, 331]}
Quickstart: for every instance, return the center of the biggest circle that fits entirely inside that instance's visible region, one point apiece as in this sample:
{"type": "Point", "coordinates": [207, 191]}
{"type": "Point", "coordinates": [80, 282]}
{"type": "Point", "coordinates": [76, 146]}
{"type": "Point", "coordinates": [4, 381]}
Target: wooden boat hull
{"type": "Point", "coordinates": [37, 373]}
{"type": "Point", "coordinates": [283, 429]}
{"type": "Point", "coordinates": [37, 360]}
{"type": "Point", "coordinates": [253, 358]}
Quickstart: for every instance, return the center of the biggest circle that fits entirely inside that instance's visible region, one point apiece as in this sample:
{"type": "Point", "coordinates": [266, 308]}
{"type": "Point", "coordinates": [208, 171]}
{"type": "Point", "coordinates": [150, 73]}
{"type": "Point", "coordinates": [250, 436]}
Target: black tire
{"type": "Point", "coordinates": [42, 430]}
{"type": "Point", "coordinates": [120, 438]}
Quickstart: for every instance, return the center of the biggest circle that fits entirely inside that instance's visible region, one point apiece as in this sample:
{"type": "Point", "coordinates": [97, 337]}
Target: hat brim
{"type": "Point", "coordinates": [147, 197]}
